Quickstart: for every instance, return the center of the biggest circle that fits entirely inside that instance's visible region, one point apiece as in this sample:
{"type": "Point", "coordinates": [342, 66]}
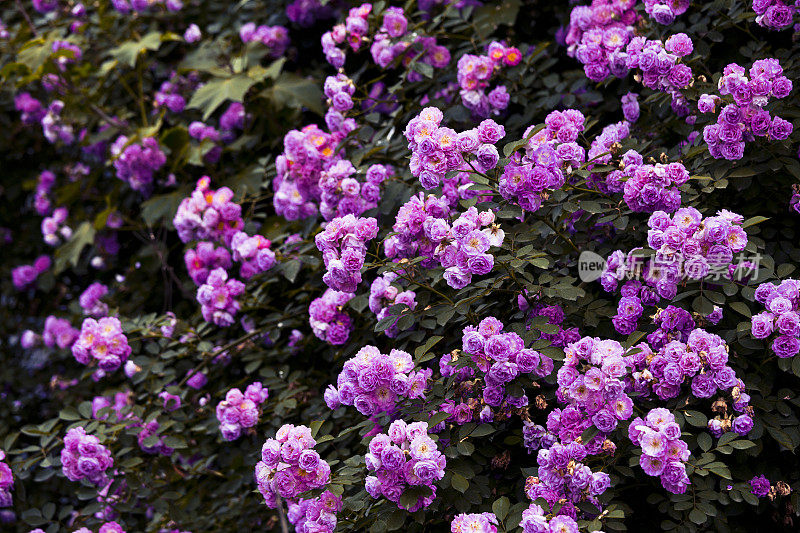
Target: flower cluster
{"type": "Point", "coordinates": [598, 34]}
{"type": "Point", "coordinates": [383, 295]}
{"type": "Point", "coordinates": [534, 520]}
{"type": "Point", "coordinates": [217, 297]}
{"type": "Point", "coordinates": [475, 74]}
{"type": "Point", "coordinates": [290, 466]}
{"type": "Point", "coordinates": [423, 229]}
{"type": "Point", "coordinates": [663, 451]}
{"type": "Point", "coordinates": [536, 436]}
{"type": "Point", "coordinates": [342, 194]}
{"type": "Point", "coordinates": [436, 149]}
{"type": "Point", "coordinates": [136, 163]}
{"type": "Point", "coordinates": [305, 13]}
{"type": "Point", "coordinates": [352, 32]}
{"type": "Point", "coordinates": [150, 441]}
{"type": "Point", "coordinates": [648, 188]}
{"type": "Point", "coordinates": [53, 128]}
{"type": "Point", "coordinates": [686, 244]}
{"type": "Point", "coordinates": [204, 258]}
{"type": "Point", "coordinates": [125, 6]}
{"type": "Point", "coordinates": [275, 38]}
{"type": "Point", "coordinates": [316, 515]}
{"type": "Point", "coordinates": [502, 356]}
{"type": "Point", "coordinates": [171, 93]}
{"type": "Point", "coordinates": [702, 360]}
{"type": "Point", "coordinates": [665, 11]}
{"type": "Point", "coordinates": [54, 227]}
{"type": "Point", "coordinates": [745, 119]}
{"type": "Point", "coordinates": [329, 321]}
{"type": "Point", "coordinates": [389, 44]}
{"type": "Point", "coordinates": [208, 214]}
{"type": "Point", "coordinates": [57, 332]}
{"type": "Point", "coordinates": [774, 14]}
{"type": "Point", "coordinates": [630, 106]}
{"type": "Point", "coordinates": [89, 300]}
{"type": "Point", "coordinates": [404, 456]}
{"type": "Point", "coordinates": [307, 152]}
{"type": "Point", "coordinates": [24, 276]}
{"type": "Point", "coordinates": [374, 382]}
{"type": "Point", "coordinates": [239, 410]}
{"type": "Point", "coordinates": [83, 457]}
{"type": "Point", "coordinates": [104, 341]}
{"type": "Point", "coordinates": [562, 477]}
{"type": "Point", "coordinates": [660, 66]}
{"type": "Point", "coordinates": [760, 486]}
{"type": "Point", "coordinates": [674, 324]}
{"type": "Point", "coordinates": [474, 523]}
{"type": "Point", "coordinates": [203, 132]}
{"type": "Point", "coordinates": [548, 154]}
{"type": "Point", "coordinates": [253, 252]}
{"type": "Point", "coordinates": [592, 379]}
{"type": "Point", "coordinates": [117, 404]}
{"type": "Point", "coordinates": [41, 199]}
{"type": "Point", "coordinates": [343, 247]}
{"type": "Point", "coordinates": [782, 316]}
{"type": "Point", "coordinates": [604, 145]}
{"type": "Point", "coordinates": [6, 480]}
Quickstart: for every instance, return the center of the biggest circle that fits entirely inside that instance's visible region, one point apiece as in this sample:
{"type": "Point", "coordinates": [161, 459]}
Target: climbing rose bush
{"type": "Point", "coordinates": [325, 265]}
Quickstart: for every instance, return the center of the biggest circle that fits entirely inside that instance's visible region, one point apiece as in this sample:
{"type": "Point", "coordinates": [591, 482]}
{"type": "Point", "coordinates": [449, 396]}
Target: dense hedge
{"type": "Point", "coordinates": [499, 266]}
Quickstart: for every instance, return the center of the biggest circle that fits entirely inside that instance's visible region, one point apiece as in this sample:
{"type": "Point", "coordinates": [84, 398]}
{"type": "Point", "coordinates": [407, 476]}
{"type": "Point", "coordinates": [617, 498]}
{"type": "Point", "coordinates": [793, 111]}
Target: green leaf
{"type": "Point", "coordinates": [425, 348]}
{"type": "Point", "coordinates": [704, 441]}
{"type": "Point", "coordinates": [70, 252]}
{"type": "Point", "coordinates": [162, 207]}
{"type": "Point", "coordinates": [488, 17]}
{"type": "Point", "coordinates": [482, 430]}
{"type": "Point", "coordinates": [294, 91]}
{"type": "Point", "coordinates": [697, 516]}
{"type": "Point", "coordinates": [459, 483]}
{"type": "Point", "coordinates": [741, 308]}
{"type": "Point", "coordinates": [754, 220]}
{"type": "Point", "coordinates": [438, 418]}
{"type": "Point", "coordinates": [696, 419]}
{"type": "Point", "coordinates": [128, 52]}
{"type": "Point", "coordinates": [500, 508]}
{"type": "Point", "coordinates": [211, 95]}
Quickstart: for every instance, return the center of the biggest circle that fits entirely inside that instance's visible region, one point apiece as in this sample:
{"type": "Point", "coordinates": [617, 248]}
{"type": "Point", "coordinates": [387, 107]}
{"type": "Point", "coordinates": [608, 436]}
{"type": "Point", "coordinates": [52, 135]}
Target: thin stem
{"type": "Point", "coordinates": [27, 17]}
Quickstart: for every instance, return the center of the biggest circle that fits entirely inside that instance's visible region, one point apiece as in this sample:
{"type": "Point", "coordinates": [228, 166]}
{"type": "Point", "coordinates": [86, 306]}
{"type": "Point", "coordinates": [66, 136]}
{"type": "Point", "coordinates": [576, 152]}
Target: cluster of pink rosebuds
{"type": "Point", "coordinates": [208, 214]}
{"type": "Point", "coordinates": [253, 252]}
{"type": "Point", "coordinates": [290, 466]}
{"type": "Point", "coordinates": [89, 300]}
{"type": "Point", "coordinates": [436, 150]}
{"type": "Point", "coordinates": [24, 276]}
{"type": "Point", "coordinates": [328, 319]}
{"type": "Point", "coordinates": [217, 297]}
{"type": "Point", "coordinates": [343, 247]}
{"type": "Point", "coordinates": [239, 410]}
{"type": "Point", "coordinates": [383, 295]}
{"type": "Point", "coordinates": [374, 382]}
{"type": "Point", "coordinates": [475, 76]}
{"type": "Point", "coordinates": [204, 258]}
{"type": "Point", "coordinates": [41, 200]}
{"type": "Point", "coordinates": [54, 227]}
{"type": "Point", "coordinates": [136, 163]}
{"type": "Point", "coordinates": [404, 457]}
{"type": "Point", "coordinates": [102, 340]}
{"type": "Point", "coordinates": [83, 457]}
{"type": "Point", "coordinates": [275, 38]}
